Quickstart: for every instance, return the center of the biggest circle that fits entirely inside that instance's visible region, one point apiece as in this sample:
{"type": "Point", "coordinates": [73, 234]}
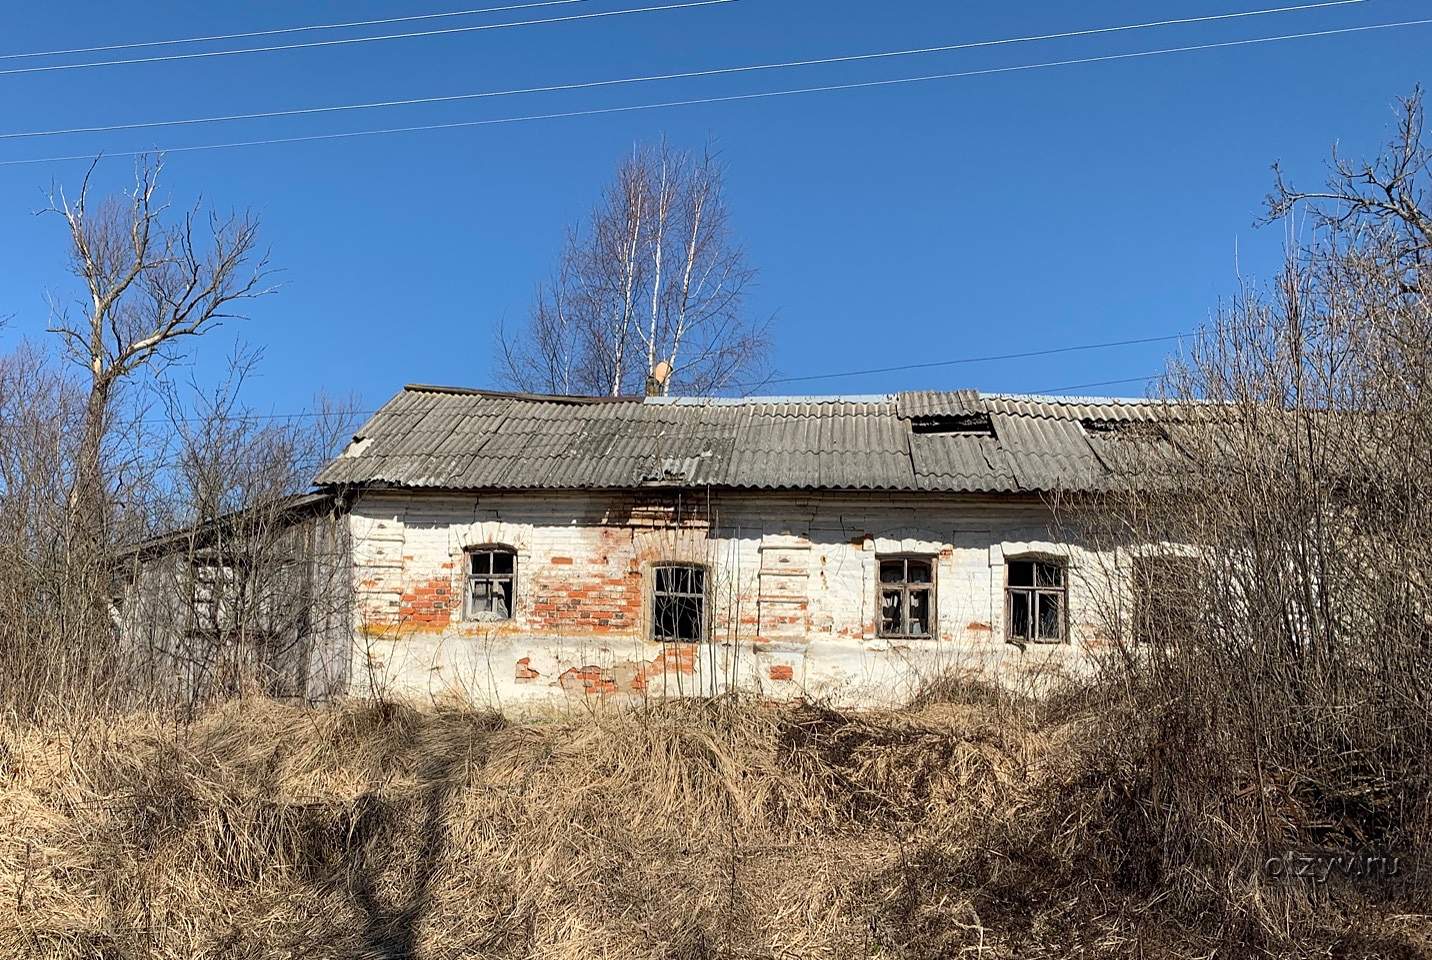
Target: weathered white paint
{"type": "Point", "coordinates": [793, 594]}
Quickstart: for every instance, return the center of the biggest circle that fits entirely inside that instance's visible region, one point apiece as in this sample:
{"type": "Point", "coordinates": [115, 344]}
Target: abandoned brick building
{"type": "Point", "coordinates": [511, 547]}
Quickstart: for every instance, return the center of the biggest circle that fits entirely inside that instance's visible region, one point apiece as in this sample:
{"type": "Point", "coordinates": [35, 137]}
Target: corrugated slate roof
{"type": "Point", "coordinates": [953, 442]}
{"type": "Point", "coordinates": [916, 404]}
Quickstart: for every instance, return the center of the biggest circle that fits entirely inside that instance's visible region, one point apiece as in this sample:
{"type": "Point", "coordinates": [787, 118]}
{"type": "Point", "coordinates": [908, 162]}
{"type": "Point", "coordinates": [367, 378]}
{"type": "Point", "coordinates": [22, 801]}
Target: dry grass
{"type": "Point", "coordinates": [689, 830]}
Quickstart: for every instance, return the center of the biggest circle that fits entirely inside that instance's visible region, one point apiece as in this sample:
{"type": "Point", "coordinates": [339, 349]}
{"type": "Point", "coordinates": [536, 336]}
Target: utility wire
{"type": "Point", "coordinates": [312, 464]}
{"type": "Point", "coordinates": [1052, 351]}
{"type": "Point", "coordinates": [1097, 383]}
{"type": "Point", "coordinates": [308, 45]}
{"type": "Point", "coordinates": [245, 417]}
{"type": "Point", "coordinates": [283, 30]}
{"type": "Point", "coordinates": [180, 460]}
{"type": "Point", "coordinates": [691, 74]}
{"type": "Point", "coordinates": [827, 88]}
{"type": "Point", "coordinates": [815, 376]}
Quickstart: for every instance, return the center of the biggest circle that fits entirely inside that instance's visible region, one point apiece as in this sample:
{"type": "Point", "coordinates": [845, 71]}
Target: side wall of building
{"type": "Point", "coordinates": [268, 603]}
{"type": "Point", "coordinates": [793, 594]}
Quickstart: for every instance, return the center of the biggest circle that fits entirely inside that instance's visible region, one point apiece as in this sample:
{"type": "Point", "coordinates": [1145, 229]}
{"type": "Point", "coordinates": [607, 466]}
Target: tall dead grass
{"type": "Point", "coordinates": [695, 829]}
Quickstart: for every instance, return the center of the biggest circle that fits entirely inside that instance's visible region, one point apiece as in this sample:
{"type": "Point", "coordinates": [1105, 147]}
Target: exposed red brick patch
{"type": "Point", "coordinates": [977, 626]}
{"type": "Point", "coordinates": [588, 679]}
{"type": "Point", "coordinates": [675, 657]}
{"type": "Point", "coordinates": [425, 604]}
{"type": "Point", "coordinates": [782, 671]}
{"type": "Point", "coordinates": [630, 677]}
{"type": "Point", "coordinates": [587, 596]}
{"type": "Point", "coordinates": [525, 673]}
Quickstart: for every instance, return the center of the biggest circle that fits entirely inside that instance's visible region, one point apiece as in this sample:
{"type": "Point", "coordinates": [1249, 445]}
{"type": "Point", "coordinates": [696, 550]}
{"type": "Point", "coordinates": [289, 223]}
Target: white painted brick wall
{"type": "Point", "coordinates": [823, 548]}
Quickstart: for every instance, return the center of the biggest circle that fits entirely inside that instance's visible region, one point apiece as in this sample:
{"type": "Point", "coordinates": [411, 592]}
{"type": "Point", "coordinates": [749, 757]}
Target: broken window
{"type": "Point", "coordinates": [1165, 605]}
{"type": "Point", "coordinates": [491, 583]}
{"type": "Point", "coordinates": [907, 592]}
{"type": "Point", "coordinates": [215, 588]}
{"type": "Point", "coordinates": [1035, 601]}
{"type": "Point", "coordinates": [678, 603]}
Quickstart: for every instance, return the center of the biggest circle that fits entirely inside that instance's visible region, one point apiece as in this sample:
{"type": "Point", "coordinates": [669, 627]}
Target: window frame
{"type": "Point", "coordinates": [469, 554]}
{"type": "Point", "coordinates": [215, 594]}
{"type": "Point", "coordinates": [704, 596]}
{"type": "Point", "coordinates": [905, 585]}
{"type": "Point", "coordinates": [1033, 591]}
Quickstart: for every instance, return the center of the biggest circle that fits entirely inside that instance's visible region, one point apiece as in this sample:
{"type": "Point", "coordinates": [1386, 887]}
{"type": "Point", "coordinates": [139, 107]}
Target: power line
{"type": "Point", "coordinates": [351, 40]}
{"type": "Point", "coordinates": [815, 376]}
{"type": "Point", "coordinates": [1052, 351]}
{"type": "Point", "coordinates": [181, 460]}
{"type": "Point", "coordinates": [718, 71]}
{"type": "Point", "coordinates": [1097, 383]}
{"type": "Point", "coordinates": [283, 30]}
{"type": "Point", "coordinates": [245, 417]}
{"type": "Point", "coordinates": [732, 98]}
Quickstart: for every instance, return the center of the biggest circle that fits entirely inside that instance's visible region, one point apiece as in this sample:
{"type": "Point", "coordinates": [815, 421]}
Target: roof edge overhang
{"type": "Point", "coordinates": [286, 509]}
{"type": "Point", "coordinates": [409, 489]}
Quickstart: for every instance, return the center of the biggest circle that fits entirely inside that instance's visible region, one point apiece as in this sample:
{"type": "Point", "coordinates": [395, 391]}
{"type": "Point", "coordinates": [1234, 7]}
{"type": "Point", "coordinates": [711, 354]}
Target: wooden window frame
{"type": "Point", "coordinates": [906, 586]}
{"type": "Point", "coordinates": [1033, 591]}
{"type": "Point", "coordinates": [703, 597]}
{"type": "Point", "coordinates": [470, 576]}
{"type": "Point", "coordinates": [215, 592]}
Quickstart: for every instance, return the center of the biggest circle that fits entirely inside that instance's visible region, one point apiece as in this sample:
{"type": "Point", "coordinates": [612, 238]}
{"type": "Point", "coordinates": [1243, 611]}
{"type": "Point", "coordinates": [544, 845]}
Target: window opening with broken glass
{"type": "Point", "coordinates": [678, 603]}
{"type": "Point", "coordinates": [1165, 599]}
{"type": "Point", "coordinates": [491, 580]}
{"type": "Point", "coordinates": [907, 593]}
{"type": "Point", "coordinates": [1035, 601]}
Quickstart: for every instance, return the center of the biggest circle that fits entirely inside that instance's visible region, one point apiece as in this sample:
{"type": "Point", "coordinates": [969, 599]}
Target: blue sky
{"type": "Point", "coordinates": [903, 224]}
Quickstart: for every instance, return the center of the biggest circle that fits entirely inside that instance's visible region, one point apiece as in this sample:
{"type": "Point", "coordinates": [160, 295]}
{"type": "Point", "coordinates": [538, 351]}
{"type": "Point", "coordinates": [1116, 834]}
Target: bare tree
{"type": "Point", "coordinates": [82, 471]}
{"type": "Point", "coordinates": [1277, 536]}
{"type": "Point", "coordinates": [653, 277]}
{"type": "Point", "coordinates": [150, 284]}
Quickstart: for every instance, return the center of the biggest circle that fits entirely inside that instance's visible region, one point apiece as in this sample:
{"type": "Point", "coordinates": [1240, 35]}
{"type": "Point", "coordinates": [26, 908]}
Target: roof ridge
{"type": "Point", "coordinates": [1069, 399]}
{"type": "Point", "coordinates": [518, 395]}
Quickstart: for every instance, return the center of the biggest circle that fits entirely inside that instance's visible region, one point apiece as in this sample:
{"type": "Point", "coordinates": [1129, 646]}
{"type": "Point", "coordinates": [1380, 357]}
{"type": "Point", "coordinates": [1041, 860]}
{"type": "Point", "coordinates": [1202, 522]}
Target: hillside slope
{"type": "Point", "coordinates": [686, 830]}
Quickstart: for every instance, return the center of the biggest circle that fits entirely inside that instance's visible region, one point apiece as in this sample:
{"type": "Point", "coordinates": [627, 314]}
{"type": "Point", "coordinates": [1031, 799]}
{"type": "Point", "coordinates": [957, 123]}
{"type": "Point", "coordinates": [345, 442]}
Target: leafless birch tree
{"type": "Point", "coordinates": [653, 276]}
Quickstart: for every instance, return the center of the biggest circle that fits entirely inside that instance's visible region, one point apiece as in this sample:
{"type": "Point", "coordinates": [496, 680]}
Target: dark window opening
{"type": "Point", "coordinates": [678, 603]}
{"type": "Point", "coordinates": [491, 583]}
{"type": "Point", "coordinates": [970, 424]}
{"type": "Point", "coordinates": [1035, 598]}
{"type": "Point", "coordinates": [907, 588]}
{"type": "Point", "coordinates": [1165, 604]}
